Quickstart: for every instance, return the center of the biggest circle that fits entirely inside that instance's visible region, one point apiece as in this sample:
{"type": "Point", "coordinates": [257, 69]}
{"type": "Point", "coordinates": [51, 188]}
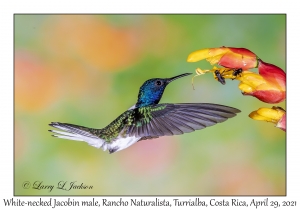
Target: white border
{"type": "Point", "coordinates": [217, 6]}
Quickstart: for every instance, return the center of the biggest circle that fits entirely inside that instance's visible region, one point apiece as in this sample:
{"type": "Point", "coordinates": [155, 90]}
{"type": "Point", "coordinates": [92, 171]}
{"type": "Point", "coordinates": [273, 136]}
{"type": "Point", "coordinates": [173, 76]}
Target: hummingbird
{"type": "Point", "coordinates": [148, 119]}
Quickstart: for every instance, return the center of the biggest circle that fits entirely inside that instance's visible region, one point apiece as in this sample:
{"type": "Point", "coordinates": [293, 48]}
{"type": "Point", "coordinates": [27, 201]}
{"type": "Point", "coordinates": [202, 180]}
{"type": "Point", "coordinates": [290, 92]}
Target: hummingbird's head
{"type": "Point", "coordinates": [152, 90]}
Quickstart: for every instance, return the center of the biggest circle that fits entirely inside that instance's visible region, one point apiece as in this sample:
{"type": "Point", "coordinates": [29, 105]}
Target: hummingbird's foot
{"type": "Point", "coordinates": [112, 150]}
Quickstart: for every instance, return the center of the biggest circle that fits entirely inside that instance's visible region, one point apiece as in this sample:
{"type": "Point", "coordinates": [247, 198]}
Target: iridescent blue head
{"type": "Point", "coordinates": [153, 89]}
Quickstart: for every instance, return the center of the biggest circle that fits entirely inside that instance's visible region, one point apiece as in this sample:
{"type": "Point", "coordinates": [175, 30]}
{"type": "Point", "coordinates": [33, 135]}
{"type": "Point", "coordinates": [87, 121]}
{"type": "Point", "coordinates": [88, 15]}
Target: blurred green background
{"type": "Point", "coordinates": [87, 70]}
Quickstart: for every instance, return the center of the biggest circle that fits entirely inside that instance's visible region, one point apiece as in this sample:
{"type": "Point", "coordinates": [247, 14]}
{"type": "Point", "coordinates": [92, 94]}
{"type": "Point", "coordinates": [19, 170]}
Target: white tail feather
{"type": "Point", "coordinates": [73, 133]}
{"type": "Point", "coordinates": [95, 142]}
{"type": "Point", "coordinates": [68, 137]}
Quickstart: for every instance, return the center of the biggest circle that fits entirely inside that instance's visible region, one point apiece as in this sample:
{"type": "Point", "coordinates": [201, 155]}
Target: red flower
{"type": "Point", "coordinates": [226, 56]}
{"type": "Point", "coordinates": [267, 86]}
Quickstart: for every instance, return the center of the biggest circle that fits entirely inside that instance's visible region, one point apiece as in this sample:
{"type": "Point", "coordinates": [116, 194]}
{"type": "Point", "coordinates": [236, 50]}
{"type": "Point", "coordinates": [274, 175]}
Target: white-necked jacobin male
{"type": "Point", "coordinates": [147, 119]}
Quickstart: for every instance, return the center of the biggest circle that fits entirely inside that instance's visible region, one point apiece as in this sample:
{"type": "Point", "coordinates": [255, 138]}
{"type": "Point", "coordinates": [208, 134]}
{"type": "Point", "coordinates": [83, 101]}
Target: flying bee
{"type": "Point", "coordinates": [221, 79]}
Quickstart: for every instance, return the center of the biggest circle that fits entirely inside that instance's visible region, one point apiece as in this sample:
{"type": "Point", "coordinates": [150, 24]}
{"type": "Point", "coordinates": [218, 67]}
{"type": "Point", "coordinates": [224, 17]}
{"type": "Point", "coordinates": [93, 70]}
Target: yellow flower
{"type": "Point", "coordinates": [275, 115]}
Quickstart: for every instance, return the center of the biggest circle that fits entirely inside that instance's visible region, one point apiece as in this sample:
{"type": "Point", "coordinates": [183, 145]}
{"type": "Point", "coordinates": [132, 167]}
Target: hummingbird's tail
{"type": "Point", "coordinates": [77, 133]}
{"type": "Point", "coordinates": [91, 136]}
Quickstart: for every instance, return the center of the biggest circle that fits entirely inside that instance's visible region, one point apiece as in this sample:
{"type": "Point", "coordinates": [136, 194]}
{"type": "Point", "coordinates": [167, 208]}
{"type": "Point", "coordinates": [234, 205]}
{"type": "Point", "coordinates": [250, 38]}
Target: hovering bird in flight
{"type": "Point", "coordinates": [147, 119]}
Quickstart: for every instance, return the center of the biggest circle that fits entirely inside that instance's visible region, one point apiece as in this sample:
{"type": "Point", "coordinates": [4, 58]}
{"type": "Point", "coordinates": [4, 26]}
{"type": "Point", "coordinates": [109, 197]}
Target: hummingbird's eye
{"type": "Point", "coordinates": [158, 83]}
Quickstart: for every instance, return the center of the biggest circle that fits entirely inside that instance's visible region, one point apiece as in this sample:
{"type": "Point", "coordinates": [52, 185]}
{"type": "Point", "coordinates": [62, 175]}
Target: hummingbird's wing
{"type": "Point", "coordinates": [176, 119]}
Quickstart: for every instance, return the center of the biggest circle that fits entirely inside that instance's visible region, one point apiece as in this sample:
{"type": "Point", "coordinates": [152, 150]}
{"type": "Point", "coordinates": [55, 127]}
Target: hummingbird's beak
{"type": "Point", "coordinates": [176, 77]}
